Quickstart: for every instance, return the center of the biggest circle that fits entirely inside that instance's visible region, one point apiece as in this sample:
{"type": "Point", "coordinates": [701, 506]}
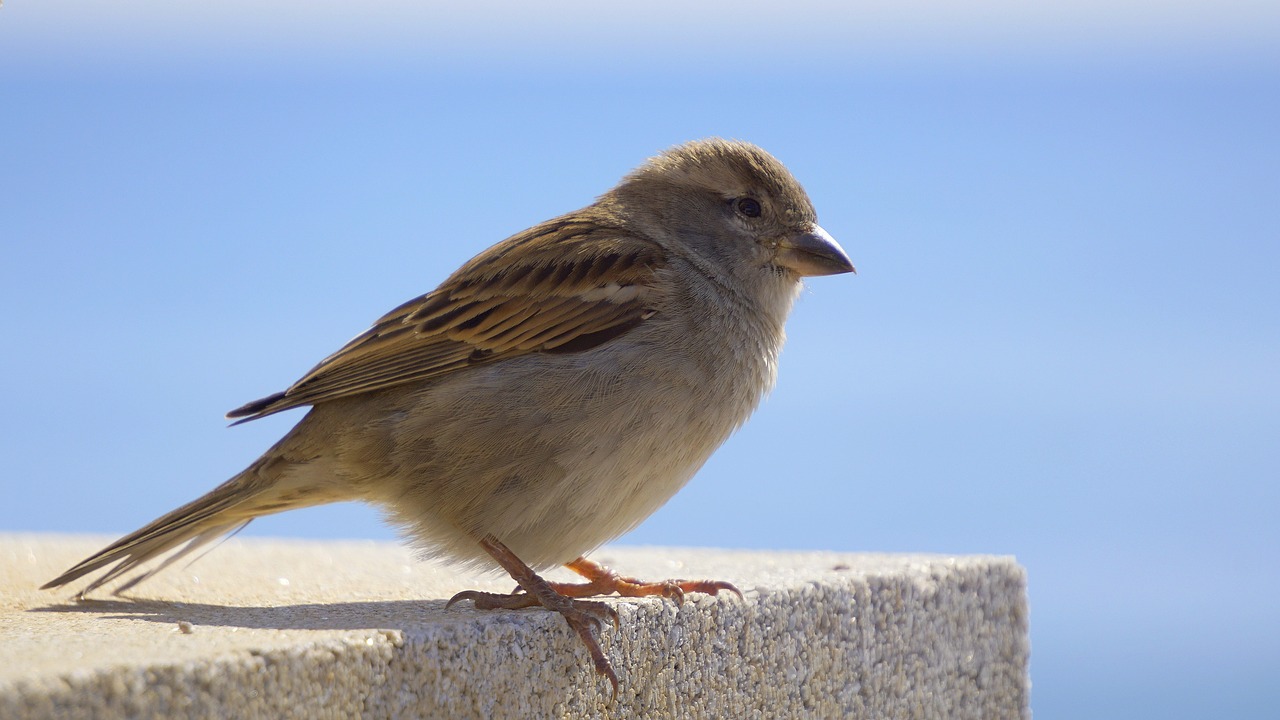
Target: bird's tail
{"type": "Point", "coordinates": [223, 511]}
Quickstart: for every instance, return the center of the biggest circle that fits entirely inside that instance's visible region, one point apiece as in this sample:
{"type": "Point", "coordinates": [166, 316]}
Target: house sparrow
{"type": "Point", "coordinates": [550, 394]}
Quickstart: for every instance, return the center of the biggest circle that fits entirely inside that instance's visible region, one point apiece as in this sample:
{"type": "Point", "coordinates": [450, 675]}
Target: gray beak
{"type": "Point", "coordinates": [813, 253]}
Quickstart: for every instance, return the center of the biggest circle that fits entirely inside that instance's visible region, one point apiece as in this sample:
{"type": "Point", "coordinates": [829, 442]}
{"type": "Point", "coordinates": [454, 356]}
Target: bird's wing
{"type": "Point", "coordinates": [563, 286]}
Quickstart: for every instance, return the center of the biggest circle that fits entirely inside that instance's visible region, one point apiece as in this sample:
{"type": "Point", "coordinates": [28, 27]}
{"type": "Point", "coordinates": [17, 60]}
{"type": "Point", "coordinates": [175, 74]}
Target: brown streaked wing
{"type": "Point", "coordinates": [564, 286]}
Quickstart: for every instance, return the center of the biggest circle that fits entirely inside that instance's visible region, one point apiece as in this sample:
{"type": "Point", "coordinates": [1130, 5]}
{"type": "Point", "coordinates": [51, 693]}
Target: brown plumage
{"type": "Point", "coordinates": [551, 393]}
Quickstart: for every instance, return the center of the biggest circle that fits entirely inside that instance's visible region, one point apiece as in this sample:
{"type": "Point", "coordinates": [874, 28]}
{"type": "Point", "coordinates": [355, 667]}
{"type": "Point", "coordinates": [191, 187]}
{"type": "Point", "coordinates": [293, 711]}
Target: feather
{"type": "Point", "coordinates": [562, 286]}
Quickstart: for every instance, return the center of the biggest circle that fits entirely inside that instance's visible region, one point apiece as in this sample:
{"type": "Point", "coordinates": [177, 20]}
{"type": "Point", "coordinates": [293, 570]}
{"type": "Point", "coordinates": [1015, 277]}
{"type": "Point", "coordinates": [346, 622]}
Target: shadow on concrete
{"type": "Point", "coordinates": [394, 614]}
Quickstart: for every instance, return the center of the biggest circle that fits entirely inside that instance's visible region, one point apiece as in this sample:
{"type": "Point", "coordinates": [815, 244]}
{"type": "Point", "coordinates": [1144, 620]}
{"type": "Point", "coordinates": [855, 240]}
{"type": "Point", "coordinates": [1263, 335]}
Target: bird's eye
{"type": "Point", "coordinates": [749, 207]}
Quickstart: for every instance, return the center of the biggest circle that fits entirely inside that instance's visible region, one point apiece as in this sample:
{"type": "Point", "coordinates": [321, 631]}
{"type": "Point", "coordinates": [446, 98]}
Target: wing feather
{"type": "Point", "coordinates": [564, 286]}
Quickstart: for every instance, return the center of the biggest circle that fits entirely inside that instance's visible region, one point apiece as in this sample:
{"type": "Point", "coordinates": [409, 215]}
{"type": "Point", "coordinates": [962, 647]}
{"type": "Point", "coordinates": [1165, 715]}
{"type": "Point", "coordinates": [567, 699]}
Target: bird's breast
{"type": "Point", "coordinates": [558, 454]}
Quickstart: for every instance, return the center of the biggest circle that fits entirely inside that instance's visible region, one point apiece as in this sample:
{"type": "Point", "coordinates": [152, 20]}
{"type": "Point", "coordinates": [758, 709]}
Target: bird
{"type": "Point", "coordinates": [549, 395]}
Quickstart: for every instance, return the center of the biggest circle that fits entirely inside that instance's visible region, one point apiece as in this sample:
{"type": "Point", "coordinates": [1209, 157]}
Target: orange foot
{"type": "Point", "coordinates": [583, 616]}
{"type": "Point", "coordinates": [603, 581]}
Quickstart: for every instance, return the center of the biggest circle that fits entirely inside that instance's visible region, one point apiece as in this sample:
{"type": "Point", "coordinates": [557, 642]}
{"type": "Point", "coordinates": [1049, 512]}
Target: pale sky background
{"type": "Point", "coordinates": [1062, 343]}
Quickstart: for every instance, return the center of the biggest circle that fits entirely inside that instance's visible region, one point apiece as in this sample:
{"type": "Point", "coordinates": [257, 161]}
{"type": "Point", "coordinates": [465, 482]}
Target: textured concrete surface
{"type": "Point", "coordinates": [348, 629]}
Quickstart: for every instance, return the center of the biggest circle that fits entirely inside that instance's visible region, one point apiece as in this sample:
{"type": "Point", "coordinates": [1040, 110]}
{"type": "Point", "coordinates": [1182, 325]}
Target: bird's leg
{"type": "Point", "coordinates": [583, 616]}
{"type": "Point", "coordinates": [604, 581]}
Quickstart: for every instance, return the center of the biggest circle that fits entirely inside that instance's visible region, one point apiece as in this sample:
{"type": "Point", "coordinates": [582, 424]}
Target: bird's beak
{"type": "Point", "coordinates": [813, 253]}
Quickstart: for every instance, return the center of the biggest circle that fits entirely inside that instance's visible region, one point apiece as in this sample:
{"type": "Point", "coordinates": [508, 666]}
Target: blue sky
{"type": "Point", "coordinates": [1062, 342]}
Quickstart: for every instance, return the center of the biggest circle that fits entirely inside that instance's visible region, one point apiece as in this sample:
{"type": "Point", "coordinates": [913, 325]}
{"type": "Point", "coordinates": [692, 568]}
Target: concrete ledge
{"type": "Point", "coordinates": [279, 629]}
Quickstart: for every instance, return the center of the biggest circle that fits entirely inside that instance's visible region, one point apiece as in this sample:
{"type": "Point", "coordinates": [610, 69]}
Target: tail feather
{"type": "Point", "coordinates": [220, 533]}
{"type": "Point", "coordinates": [224, 510]}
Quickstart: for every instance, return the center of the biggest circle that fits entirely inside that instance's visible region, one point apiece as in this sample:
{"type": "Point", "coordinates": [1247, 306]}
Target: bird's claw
{"type": "Point", "coordinates": [583, 617]}
{"type": "Point", "coordinates": [494, 601]}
